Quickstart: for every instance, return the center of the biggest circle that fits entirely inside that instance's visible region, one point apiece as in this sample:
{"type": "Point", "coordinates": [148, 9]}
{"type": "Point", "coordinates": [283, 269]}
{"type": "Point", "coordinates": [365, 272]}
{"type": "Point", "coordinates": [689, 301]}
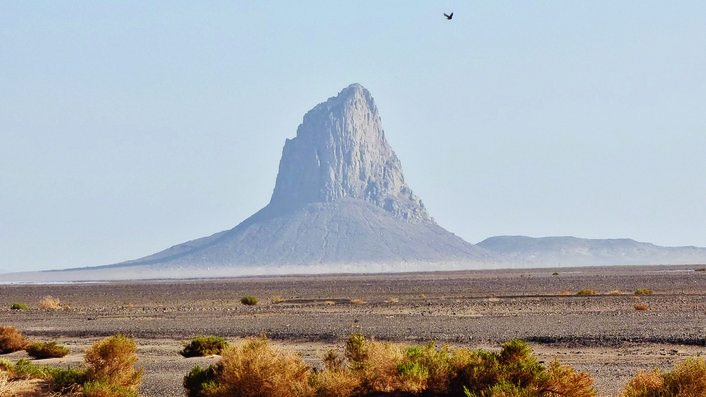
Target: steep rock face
{"type": "Point", "coordinates": [340, 151]}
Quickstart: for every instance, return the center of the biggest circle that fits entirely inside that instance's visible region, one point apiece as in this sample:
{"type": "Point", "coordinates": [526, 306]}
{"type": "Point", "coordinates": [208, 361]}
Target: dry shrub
{"type": "Point", "coordinates": [564, 381]}
{"type": "Point", "coordinates": [514, 372]}
{"type": "Point", "coordinates": [644, 384]}
{"type": "Point", "coordinates": [49, 302]}
{"type": "Point", "coordinates": [277, 299]}
{"type": "Point", "coordinates": [586, 292]}
{"type": "Point", "coordinates": [641, 306]}
{"type": "Point", "coordinates": [357, 301]}
{"type": "Point", "coordinates": [111, 366]}
{"type": "Point", "coordinates": [204, 346]}
{"type": "Point", "coordinates": [254, 368]}
{"type": "Point", "coordinates": [687, 379]}
{"type": "Point", "coordinates": [335, 383]}
{"type": "Point", "coordinates": [330, 303]}
{"type": "Point", "coordinates": [11, 340]}
{"type": "Point", "coordinates": [616, 292]}
{"type": "Point", "coordinates": [51, 349]}
{"type": "Point", "coordinates": [392, 300]}
{"type": "Point", "coordinates": [565, 293]}
{"type": "Point", "coordinates": [643, 291]}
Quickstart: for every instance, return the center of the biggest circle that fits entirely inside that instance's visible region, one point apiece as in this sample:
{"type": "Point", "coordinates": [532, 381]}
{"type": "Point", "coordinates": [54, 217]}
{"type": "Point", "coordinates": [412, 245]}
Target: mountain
{"type": "Point", "coordinates": [571, 251]}
{"type": "Point", "coordinates": [340, 204]}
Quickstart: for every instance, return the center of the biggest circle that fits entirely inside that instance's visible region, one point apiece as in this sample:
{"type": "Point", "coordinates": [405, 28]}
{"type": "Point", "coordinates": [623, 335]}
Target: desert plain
{"type": "Point", "coordinates": [611, 334]}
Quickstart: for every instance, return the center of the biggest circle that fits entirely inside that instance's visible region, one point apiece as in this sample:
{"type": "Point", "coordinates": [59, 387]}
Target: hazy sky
{"type": "Point", "coordinates": [130, 126]}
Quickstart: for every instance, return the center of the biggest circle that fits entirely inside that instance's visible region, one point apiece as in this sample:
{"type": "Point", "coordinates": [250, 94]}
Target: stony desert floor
{"type": "Point", "coordinates": [602, 334]}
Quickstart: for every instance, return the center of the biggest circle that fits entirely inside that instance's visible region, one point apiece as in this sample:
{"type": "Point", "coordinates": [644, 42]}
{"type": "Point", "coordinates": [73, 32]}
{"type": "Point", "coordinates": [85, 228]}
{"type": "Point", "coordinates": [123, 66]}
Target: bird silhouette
{"type": "Point", "coordinates": [449, 16]}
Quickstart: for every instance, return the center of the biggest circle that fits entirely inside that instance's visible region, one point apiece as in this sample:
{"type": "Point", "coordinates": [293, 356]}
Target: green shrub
{"type": "Point", "coordinates": [514, 372]}
{"type": "Point", "coordinates": [41, 350]}
{"type": "Point", "coordinates": [200, 381]}
{"type": "Point", "coordinates": [643, 291]}
{"type": "Point", "coordinates": [19, 306]}
{"type": "Point", "coordinates": [586, 292]}
{"type": "Point", "coordinates": [249, 300]}
{"type": "Point", "coordinates": [204, 346]}
{"type": "Point", "coordinates": [60, 380]}
{"type": "Point", "coordinates": [11, 340]}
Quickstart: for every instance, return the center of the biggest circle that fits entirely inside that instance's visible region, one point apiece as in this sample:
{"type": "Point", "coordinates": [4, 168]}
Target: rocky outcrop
{"type": "Point", "coordinates": [340, 151]}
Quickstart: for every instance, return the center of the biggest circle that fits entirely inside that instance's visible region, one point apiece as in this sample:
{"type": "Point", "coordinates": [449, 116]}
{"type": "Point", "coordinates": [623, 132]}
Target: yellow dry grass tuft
{"type": "Point", "coordinates": [49, 302]}
{"type": "Point", "coordinates": [641, 306]}
{"type": "Point", "coordinates": [357, 301]}
{"type": "Point", "coordinates": [276, 299]}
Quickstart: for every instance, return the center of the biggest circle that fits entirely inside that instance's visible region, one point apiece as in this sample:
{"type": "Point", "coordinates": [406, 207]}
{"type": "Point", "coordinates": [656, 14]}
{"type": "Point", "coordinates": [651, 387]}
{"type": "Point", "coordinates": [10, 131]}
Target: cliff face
{"type": "Point", "coordinates": [340, 151]}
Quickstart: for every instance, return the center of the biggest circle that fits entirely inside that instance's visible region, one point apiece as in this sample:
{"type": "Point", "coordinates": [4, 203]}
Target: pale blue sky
{"type": "Point", "coordinates": [127, 127]}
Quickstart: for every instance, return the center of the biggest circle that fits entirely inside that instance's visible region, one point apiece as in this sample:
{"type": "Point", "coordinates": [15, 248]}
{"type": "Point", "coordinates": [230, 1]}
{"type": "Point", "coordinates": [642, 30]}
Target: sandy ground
{"type": "Point", "coordinates": [602, 334]}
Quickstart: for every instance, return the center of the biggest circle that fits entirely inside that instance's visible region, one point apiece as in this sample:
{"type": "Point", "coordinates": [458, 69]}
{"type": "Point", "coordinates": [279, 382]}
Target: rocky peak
{"type": "Point", "coordinates": [340, 151]}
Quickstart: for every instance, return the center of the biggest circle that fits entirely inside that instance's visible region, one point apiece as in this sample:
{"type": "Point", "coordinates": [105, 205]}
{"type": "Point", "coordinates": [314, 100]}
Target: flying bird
{"type": "Point", "coordinates": [449, 16]}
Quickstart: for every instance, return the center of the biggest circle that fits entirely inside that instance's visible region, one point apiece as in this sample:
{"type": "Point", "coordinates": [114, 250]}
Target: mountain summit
{"type": "Point", "coordinates": [340, 151]}
{"type": "Point", "coordinates": [340, 204]}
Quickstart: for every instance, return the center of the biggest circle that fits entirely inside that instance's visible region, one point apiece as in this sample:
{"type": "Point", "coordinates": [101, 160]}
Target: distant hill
{"type": "Point", "coordinates": [572, 251]}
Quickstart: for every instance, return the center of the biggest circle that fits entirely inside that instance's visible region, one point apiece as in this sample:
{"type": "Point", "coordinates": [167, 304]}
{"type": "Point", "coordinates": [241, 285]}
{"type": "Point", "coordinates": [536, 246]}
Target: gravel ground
{"type": "Point", "coordinates": [602, 334]}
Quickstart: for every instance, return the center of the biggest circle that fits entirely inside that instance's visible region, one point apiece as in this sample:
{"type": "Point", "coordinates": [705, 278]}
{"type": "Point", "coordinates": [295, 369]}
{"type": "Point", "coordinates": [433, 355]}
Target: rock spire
{"type": "Point", "coordinates": [340, 151]}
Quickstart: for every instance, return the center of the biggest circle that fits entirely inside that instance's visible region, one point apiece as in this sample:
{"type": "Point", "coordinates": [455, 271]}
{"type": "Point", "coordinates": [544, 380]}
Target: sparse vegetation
{"type": "Point", "coordinates": [41, 350]}
{"type": "Point", "coordinates": [393, 300]}
{"type": "Point", "coordinates": [641, 306]}
{"type": "Point", "coordinates": [687, 379]}
{"type": "Point", "coordinates": [565, 293]}
{"type": "Point", "coordinates": [249, 300]}
{"type": "Point", "coordinates": [252, 368]}
{"type": "Point", "coordinates": [11, 340]}
{"type": "Point", "coordinates": [700, 269]}
{"type": "Point", "coordinates": [49, 302]}
{"type": "Point", "coordinates": [368, 368]}
{"type": "Point", "coordinates": [586, 292]}
{"type": "Point", "coordinates": [19, 306]}
{"type": "Point", "coordinates": [64, 381]}
{"type": "Point", "coordinates": [643, 291]}
{"type": "Point", "coordinates": [615, 292]}
{"type": "Point", "coordinates": [111, 370]}
{"type": "Point", "coordinates": [204, 346]}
